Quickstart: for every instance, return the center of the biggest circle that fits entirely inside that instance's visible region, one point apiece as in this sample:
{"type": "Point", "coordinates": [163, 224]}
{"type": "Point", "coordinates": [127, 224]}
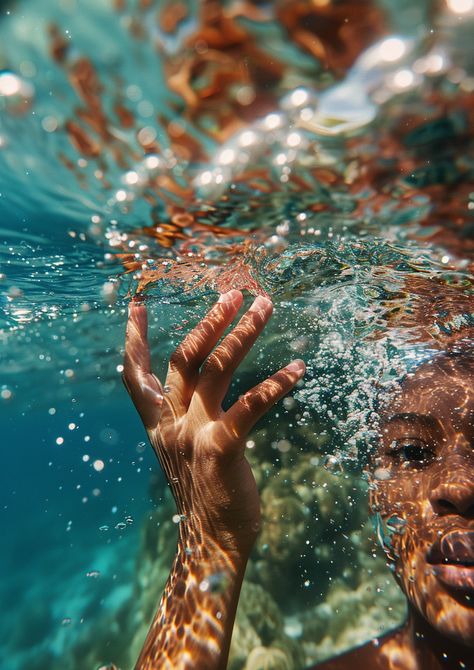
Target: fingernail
{"type": "Point", "coordinates": [259, 303]}
{"type": "Point", "coordinates": [296, 366]}
{"type": "Point", "coordinates": [229, 296]}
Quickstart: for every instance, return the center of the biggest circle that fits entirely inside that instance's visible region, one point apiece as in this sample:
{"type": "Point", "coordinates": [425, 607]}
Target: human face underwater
{"type": "Point", "coordinates": [422, 491]}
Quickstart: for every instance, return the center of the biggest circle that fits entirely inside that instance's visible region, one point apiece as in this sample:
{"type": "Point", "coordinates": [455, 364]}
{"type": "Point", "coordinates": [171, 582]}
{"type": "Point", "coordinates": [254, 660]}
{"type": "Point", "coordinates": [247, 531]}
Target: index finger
{"type": "Point", "coordinates": [183, 370]}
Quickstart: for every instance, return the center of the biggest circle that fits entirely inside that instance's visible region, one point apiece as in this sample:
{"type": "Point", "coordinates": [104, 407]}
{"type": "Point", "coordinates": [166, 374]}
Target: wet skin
{"type": "Point", "coordinates": [426, 495]}
{"type": "Point", "coordinates": [423, 488]}
{"type": "Point", "coordinates": [201, 449]}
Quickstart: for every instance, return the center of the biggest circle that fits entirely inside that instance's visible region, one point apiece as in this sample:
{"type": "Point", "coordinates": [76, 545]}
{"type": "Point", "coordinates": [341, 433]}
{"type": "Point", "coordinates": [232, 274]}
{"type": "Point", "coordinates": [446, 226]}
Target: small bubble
{"type": "Point", "coordinates": [50, 124]}
{"type": "Point", "coordinates": [66, 621]}
{"type": "Point", "coordinates": [6, 394]}
{"type": "Point", "coordinates": [283, 446]}
{"type": "Point", "coordinates": [204, 585]}
{"type": "Point", "coordinates": [120, 525]}
{"type": "Point", "coordinates": [289, 403]}
{"type": "Point", "coordinates": [14, 292]}
{"type": "Point", "coordinates": [98, 465]}
{"type": "Point", "coordinates": [93, 574]}
{"type": "Point", "coordinates": [16, 93]}
{"type": "Point", "coordinates": [382, 474]}
{"type": "Point", "coordinates": [103, 528]}
{"type": "Point", "coordinates": [60, 440]}
{"type": "Point", "coordinates": [109, 289]}
{"type": "Point", "coordinates": [215, 583]}
{"type": "Point", "coordinates": [141, 446]}
{"type": "Point", "coordinates": [332, 464]}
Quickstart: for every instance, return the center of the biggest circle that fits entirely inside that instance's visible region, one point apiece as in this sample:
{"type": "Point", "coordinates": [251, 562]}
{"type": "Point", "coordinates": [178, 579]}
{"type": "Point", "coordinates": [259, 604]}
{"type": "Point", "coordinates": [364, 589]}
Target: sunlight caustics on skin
{"type": "Point", "coordinates": [201, 450]}
{"type": "Point", "coordinates": [426, 447]}
{"type": "Point", "coordinates": [215, 172]}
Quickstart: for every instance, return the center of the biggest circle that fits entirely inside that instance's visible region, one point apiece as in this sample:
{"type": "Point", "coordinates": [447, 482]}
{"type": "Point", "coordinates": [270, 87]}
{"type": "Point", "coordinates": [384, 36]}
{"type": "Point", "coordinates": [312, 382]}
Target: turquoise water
{"type": "Point", "coordinates": [340, 187]}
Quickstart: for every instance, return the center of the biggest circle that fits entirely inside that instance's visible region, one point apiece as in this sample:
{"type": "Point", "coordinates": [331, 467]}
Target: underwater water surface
{"type": "Point", "coordinates": [318, 153]}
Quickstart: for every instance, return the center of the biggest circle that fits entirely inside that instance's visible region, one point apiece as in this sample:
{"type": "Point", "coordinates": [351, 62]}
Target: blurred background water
{"type": "Point", "coordinates": [319, 152]}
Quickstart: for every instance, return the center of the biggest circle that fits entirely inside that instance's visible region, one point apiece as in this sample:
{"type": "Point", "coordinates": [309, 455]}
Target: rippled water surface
{"type": "Point", "coordinates": [320, 154]}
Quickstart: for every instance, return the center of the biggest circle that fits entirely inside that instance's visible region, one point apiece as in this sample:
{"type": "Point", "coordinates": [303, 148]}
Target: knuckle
{"type": "Point", "coordinates": [178, 358]}
{"type": "Point", "coordinates": [213, 364]}
{"type": "Point", "coordinates": [253, 401]}
{"type": "Point", "coordinates": [271, 389]}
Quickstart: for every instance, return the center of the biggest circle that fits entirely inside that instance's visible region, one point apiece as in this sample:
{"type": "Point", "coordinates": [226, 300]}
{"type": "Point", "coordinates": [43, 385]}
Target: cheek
{"type": "Point", "coordinates": [404, 512]}
{"type": "Point", "coordinates": [397, 497]}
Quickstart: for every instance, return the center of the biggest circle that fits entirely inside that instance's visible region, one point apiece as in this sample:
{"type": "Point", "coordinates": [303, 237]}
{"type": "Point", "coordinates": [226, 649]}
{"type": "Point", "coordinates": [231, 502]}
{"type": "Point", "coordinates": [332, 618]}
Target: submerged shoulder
{"type": "Point", "coordinates": [369, 656]}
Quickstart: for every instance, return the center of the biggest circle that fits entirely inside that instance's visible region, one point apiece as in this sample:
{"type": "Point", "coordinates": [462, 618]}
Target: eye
{"type": "Point", "coordinates": [411, 450]}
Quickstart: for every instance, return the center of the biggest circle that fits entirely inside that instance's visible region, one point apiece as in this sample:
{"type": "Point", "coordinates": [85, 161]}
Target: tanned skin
{"type": "Point", "coordinates": [427, 449]}
{"type": "Point", "coordinates": [201, 449]}
{"type": "Point", "coordinates": [426, 446]}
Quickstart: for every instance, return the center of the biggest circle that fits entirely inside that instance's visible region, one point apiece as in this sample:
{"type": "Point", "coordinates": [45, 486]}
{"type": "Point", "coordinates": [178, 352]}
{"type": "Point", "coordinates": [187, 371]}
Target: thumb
{"type": "Point", "coordinates": [144, 387]}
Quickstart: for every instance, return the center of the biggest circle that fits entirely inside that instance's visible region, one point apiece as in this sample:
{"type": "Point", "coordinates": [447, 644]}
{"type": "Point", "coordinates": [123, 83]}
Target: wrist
{"type": "Point", "coordinates": [206, 542]}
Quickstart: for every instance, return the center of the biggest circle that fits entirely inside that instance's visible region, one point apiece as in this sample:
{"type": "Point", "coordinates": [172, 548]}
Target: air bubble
{"type": "Point", "coordinates": [332, 464]}
{"type": "Point", "coordinates": [16, 94]}
{"type": "Point", "coordinates": [98, 465]}
{"type": "Point", "coordinates": [382, 474]}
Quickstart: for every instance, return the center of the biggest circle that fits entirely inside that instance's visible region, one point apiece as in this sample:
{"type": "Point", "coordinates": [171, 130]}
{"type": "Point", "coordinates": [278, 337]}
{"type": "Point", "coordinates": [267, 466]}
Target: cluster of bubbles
{"type": "Point", "coordinates": [388, 68]}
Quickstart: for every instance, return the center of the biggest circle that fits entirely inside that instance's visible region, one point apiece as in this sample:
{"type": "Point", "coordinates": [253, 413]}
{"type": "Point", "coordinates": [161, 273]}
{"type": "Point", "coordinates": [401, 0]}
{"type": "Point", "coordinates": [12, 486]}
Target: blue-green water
{"type": "Point", "coordinates": [340, 190]}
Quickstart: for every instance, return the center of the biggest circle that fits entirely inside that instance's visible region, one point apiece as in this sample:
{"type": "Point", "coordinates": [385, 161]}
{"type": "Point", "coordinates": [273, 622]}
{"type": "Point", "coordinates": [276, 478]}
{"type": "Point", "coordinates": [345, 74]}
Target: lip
{"type": "Point", "coordinates": [452, 559]}
{"type": "Point", "coordinates": [454, 548]}
{"type": "Point", "coordinates": [458, 577]}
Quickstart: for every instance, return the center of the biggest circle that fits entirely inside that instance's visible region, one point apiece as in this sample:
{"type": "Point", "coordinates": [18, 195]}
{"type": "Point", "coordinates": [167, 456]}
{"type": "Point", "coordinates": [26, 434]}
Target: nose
{"type": "Point", "coordinates": [454, 497]}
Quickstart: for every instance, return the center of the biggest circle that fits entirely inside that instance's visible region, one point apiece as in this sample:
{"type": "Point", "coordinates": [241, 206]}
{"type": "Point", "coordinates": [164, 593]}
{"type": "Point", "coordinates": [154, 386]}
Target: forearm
{"type": "Point", "coordinates": [192, 627]}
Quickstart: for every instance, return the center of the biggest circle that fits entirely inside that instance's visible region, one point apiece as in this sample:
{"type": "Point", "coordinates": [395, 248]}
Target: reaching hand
{"type": "Point", "coordinates": [200, 446]}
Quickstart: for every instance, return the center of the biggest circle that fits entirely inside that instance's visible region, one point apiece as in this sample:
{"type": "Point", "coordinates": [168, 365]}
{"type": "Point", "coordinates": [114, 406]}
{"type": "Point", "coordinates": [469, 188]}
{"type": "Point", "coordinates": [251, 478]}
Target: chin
{"type": "Point", "coordinates": [450, 611]}
{"type": "Point", "coordinates": [453, 620]}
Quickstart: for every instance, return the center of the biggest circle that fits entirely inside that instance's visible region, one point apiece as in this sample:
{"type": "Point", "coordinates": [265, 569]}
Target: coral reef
{"type": "Point", "coordinates": [314, 584]}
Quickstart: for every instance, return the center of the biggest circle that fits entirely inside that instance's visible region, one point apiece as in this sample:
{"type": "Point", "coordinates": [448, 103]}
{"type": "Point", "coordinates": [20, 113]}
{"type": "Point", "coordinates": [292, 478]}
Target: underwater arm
{"type": "Point", "coordinates": [201, 450]}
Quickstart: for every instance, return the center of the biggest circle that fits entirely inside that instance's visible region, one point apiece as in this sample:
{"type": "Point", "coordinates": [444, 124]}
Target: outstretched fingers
{"type": "Point", "coordinates": [247, 410]}
{"type": "Point", "coordinates": [183, 370]}
{"type": "Point", "coordinates": [218, 369]}
{"type": "Point", "coordinates": [144, 388]}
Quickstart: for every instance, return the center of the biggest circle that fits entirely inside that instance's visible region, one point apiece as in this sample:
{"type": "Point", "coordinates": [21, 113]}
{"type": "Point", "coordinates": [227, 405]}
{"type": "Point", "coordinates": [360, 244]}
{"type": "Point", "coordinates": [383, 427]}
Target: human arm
{"type": "Point", "coordinates": [201, 450]}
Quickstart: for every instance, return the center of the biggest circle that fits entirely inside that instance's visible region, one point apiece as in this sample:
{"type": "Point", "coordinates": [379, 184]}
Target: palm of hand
{"type": "Point", "coordinates": [199, 445]}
